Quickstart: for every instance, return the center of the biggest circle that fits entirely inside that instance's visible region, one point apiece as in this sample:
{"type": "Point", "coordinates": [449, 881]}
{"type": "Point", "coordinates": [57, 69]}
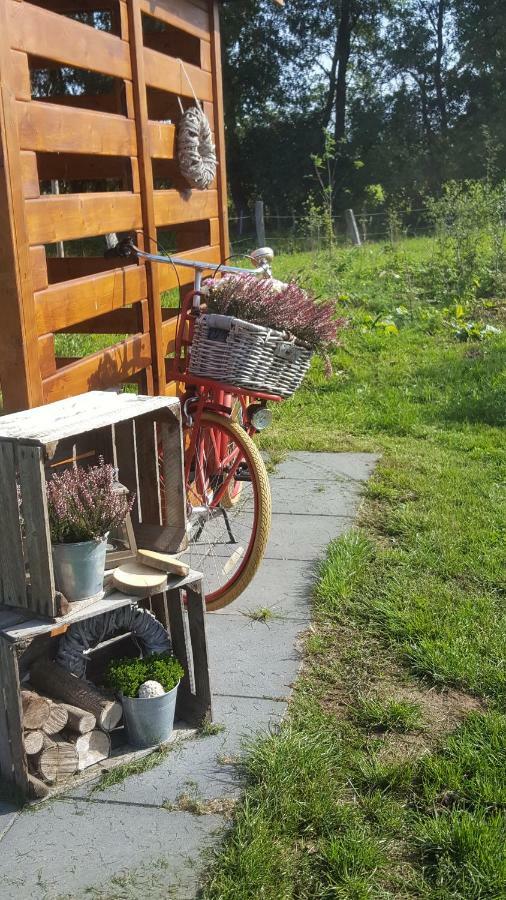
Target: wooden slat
{"type": "Point", "coordinates": [205, 56]}
{"type": "Point", "coordinates": [12, 752]}
{"type": "Point", "coordinates": [68, 267]}
{"type": "Point", "coordinates": [195, 604]}
{"type": "Point", "coordinates": [72, 216]}
{"type": "Point", "coordinates": [162, 140]}
{"type": "Point", "coordinates": [119, 321]}
{"type": "Point", "coordinates": [12, 565]}
{"type": "Point", "coordinates": [100, 370]}
{"type": "Point", "coordinates": [168, 279]}
{"type": "Point", "coordinates": [38, 539]}
{"type": "Point", "coordinates": [60, 129]}
{"type": "Point", "coordinates": [171, 208]}
{"type": "Point", "coordinates": [19, 75]}
{"type": "Point", "coordinates": [46, 355]}
{"type": "Point", "coordinates": [167, 74]}
{"type": "Point", "coordinates": [80, 167]}
{"type": "Point", "coordinates": [69, 302]}
{"type": "Point", "coordinates": [124, 442]}
{"type": "Point", "coordinates": [172, 475]}
{"type": "Point", "coordinates": [29, 175]}
{"type": "Point", "coordinates": [181, 14]}
{"type": "Point", "coordinates": [147, 469]}
{"type": "Point", "coordinates": [43, 33]}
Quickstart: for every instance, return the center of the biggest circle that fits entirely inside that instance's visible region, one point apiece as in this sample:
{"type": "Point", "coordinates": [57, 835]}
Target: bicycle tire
{"type": "Point", "coordinates": [262, 520]}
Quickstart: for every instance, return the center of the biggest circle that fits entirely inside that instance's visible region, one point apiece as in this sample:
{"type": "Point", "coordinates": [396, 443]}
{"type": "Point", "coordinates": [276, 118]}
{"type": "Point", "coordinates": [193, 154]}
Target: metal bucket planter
{"type": "Point", "coordinates": [79, 569]}
{"type": "Point", "coordinates": [149, 721]}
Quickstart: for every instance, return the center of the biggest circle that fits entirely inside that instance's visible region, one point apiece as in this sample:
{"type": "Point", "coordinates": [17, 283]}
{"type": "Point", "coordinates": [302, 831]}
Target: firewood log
{"type": "Point", "coordinates": [58, 718]}
{"type": "Point", "coordinates": [79, 721]}
{"type": "Point", "coordinates": [37, 790]}
{"type": "Point", "coordinates": [35, 709]}
{"type": "Point", "coordinates": [56, 681]}
{"type": "Point", "coordinates": [58, 759]}
{"type": "Point", "coordinates": [91, 748]}
{"type": "Point", "coordinates": [33, 741]}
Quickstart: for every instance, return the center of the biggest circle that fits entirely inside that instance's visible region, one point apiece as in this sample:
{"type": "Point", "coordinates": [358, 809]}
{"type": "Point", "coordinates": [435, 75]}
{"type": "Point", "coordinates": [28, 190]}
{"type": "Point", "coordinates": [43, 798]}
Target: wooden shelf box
{"type": "Point", "coordinates": [128, 431]}
{"type": "Point", "coordinates": [23, 640]}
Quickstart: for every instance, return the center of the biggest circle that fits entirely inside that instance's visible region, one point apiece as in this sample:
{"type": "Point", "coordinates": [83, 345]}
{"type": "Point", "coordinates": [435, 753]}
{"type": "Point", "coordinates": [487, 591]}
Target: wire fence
{"type": "Point", "coordinates": [292, 232]}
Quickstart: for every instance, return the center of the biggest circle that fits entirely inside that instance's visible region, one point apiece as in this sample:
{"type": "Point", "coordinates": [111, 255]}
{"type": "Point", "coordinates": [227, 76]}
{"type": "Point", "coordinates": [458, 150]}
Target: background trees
{"type": "Point", "coordinates": [411, 90]}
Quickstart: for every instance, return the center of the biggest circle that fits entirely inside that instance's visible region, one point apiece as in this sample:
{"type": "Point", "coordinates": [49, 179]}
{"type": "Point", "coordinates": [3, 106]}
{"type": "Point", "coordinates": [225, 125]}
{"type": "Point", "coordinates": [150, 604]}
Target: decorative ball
{"type": "Point", "coordinates": [150, 689]}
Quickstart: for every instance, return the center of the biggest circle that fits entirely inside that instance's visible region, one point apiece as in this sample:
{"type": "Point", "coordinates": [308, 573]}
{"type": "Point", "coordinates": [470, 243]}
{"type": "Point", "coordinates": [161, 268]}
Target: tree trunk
{"type": "Point", "coordinates": [58, 759]}
{"type": "Point", "coordinates": [56, 681]}
{"type": "Point", "coordinates": [79, 720]}
{"type": "Point", "coordinates": [33, 741]}
{"type": "Point", "coordinates": [57, 719]}
{"type": "Point", "coordinates": [438, 67]}
{"type": "Point", "coordinates": [36, 709]}
{"type": "Point", "coordinates": [344, 31]}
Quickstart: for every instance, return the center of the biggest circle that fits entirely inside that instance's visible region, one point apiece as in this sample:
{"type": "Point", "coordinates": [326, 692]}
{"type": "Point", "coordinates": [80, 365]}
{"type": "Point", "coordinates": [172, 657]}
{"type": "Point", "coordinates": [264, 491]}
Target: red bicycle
{"type": "Point", "coordinates": [227, 486]}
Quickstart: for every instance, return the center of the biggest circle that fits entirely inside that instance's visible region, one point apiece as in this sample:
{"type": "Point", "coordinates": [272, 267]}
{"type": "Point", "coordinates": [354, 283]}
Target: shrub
{"type": "Point", "coordinates": [83, 504]}
{"type": "Point", "coordinates": [126, 675]}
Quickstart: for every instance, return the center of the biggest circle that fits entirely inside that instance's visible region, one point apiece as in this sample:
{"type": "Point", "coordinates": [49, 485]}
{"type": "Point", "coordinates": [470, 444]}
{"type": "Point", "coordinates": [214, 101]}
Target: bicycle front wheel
{"type": "Point", "coordinates": [229, 508]}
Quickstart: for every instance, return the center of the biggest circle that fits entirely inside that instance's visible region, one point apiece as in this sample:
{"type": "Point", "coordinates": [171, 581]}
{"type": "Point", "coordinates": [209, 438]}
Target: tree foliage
{"type": "Point", "coordinates": [412, 92]}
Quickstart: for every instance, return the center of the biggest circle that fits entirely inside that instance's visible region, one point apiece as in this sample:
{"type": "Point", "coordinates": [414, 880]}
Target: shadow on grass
{"type": "Point", "coordinates": [473, 387]}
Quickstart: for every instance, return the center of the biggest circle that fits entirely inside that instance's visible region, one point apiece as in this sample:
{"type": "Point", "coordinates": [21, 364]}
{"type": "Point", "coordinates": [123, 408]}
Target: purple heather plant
{"type": "Point", "coordinates": [285, 307]}
{"type": "Point", "coordinates": [84, 503]}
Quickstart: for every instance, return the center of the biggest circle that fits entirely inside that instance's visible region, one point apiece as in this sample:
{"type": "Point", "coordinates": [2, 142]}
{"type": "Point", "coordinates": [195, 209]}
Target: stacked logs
{"type": "Point", "coordinates": [66, 726]}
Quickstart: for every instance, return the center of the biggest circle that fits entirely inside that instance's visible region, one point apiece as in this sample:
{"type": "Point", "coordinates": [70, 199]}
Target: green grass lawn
{"type": "Point", "coordinates": [388, 778]}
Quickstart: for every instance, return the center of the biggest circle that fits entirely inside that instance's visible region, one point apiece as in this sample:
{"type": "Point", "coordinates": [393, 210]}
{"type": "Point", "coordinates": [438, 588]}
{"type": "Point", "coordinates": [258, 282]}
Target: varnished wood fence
{"type": "Point", "coordinates": [113, 151]}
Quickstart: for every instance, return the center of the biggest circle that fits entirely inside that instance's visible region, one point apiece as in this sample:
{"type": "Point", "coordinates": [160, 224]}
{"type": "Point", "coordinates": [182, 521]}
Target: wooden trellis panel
{"type": "Point", "coordinates": [110, 151]}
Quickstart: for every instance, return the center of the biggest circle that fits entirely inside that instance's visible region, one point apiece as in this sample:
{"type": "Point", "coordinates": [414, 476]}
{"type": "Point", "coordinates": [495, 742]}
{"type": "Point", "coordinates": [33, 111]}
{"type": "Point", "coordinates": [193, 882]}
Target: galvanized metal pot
{"type": "Point", "coordinates": [79, 568]}
{"type": "Point", "coordinates": [149, 721]}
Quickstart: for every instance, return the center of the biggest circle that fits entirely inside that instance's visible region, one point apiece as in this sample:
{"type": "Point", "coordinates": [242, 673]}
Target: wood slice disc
{"type": "Point", "coordinates": [141, 581]}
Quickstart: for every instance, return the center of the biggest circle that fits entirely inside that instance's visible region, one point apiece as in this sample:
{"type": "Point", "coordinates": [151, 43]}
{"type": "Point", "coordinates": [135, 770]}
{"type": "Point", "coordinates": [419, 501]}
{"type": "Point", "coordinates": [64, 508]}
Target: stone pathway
{"type": "Point", "coordinates": [147, 837]}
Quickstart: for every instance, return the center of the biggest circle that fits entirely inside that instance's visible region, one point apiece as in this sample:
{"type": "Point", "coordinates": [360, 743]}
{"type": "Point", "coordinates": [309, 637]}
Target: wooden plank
{"type": "Point", "coordinates": [69, 267]}
{"type": "Point", "coordinates": [60, 129]}
{"type": "Point", "coordinates": [43, 33]}
{"type": "Point", "coordinates": [38, 539]}
{"type": "Point", "coordinates": [205, 56]}
{"type": "Point", "coordinates": [168, 279]}
{"type": "Point", "coordinates": [38, 267]}
{"type": "Point", "coordinates": [67, 303]}
{"type": "Point", "coordinates": [29, 175]}
{"type": "Point", "coordinates": [12, 564]}
{"type": "Point", "coordinates": [172, 473]}
{"type": "Point", "coordinates": [156, 374]}
{"type": "Point", "coordinates": [20, 75]}
{"type": "Point", "coordinates": [181, 14]}
{"type": "Point", "coordinates": [195, 605]}
{"type": "Point", "coordinates": [71, 216]}
{"type": "Point", "coordinates": [13, 766]}
{"type": "Point", "coordinates": [147, 470]}
{"type": "Point", "coordinates": [80, 166]}
{"type": "Point", "coordinates": [46, 355]}
{"type": "Point", "coordinates": [171, 208]}
{"type": "Point", "coordinates": [162, 140]}
{"type": "Point", "coordinates": [119, 321]}
{"type": "Point", "coordinates": [219, 128]}
{"type": "Point", "coordinates": [100, 370]}
{"type": "Point", "coordinates": [78, 415]}
{"type": "Point", "coordinates": [124, 438]}
{"type": "Point", "coordinates": [19, 369]}
{"type": "Point", "coordinates": [181, 650]}
{"type": "Point", "coordinates": [167, 74]}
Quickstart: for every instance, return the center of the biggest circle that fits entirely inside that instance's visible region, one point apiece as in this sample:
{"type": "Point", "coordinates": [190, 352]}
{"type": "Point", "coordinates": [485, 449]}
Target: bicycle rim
{"type": "Point", "coordinates": [226, 540]}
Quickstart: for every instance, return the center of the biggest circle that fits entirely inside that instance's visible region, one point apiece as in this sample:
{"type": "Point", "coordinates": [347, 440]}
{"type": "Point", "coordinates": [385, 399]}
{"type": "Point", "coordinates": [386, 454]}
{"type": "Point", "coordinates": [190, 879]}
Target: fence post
{"type": "Point", "coordinates": [259, 222]}
{"type": "Point", "coordinates": [352, 227]}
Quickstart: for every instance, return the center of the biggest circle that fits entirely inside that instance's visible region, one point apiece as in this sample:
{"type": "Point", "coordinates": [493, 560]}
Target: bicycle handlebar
{"type": "Point", "coordinates": [263, 269]}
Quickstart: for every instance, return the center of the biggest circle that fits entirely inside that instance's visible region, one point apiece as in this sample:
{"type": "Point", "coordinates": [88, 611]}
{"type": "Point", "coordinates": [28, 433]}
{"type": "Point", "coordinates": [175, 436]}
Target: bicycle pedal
{"type": "Point", "coordinates": [242, 474]}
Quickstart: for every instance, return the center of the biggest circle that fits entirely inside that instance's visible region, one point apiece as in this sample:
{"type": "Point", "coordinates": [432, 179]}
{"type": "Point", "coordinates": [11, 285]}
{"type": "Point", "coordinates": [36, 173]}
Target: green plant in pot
{"type": "Point", "coordinates": [147, 689]}
{"type": "Point", "coordinates": [83, 505]}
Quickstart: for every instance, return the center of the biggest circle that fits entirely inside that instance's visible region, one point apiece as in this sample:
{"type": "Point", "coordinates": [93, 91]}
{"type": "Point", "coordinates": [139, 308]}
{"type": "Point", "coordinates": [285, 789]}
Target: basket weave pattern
{"type": "Point", "coordinates": [251, 356]}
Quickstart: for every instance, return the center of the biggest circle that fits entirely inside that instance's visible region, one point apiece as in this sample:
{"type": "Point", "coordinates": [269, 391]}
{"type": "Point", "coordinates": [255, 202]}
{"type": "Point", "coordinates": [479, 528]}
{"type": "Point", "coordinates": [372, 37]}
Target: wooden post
{"type": "Point", "coordinates": [19, 361]}
{"type": "Point", "coordinates": [260, 223]}
{"type": "Point", "coordinates": [352, 227]}
{"type": "Point", "coordinates": [55, 189]}
{"type": "Point", "coordinates": [219, 127]}
{"type": "Point", "coordinates": [148, 238]}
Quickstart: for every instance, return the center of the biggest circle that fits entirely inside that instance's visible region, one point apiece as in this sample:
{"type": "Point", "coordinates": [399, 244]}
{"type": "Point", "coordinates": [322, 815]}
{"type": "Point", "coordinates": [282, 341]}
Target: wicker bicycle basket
{"type": "Point", "coordinates": [249, 356]}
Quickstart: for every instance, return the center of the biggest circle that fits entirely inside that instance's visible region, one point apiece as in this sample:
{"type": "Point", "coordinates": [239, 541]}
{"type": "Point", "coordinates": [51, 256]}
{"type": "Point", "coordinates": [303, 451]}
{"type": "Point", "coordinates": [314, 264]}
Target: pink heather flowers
{"type": "Point", "coordinates": [83, 503]}
{"type": "Point", "coordinates": [285, 307]}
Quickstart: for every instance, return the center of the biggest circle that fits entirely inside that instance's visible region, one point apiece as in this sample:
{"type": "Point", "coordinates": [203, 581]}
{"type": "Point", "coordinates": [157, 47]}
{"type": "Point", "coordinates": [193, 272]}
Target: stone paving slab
{"type": "Point", "coordinates": [128, 841]}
